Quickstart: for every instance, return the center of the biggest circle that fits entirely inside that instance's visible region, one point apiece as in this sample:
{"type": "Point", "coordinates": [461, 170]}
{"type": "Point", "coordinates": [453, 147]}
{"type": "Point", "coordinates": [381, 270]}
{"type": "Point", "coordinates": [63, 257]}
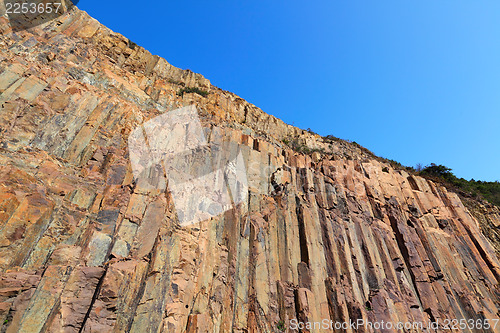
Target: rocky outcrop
{"type": "Point", "coordinates": [338, 235]}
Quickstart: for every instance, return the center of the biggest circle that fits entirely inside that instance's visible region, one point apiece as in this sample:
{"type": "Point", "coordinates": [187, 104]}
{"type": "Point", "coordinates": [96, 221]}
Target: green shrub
{"type": "Point", "coordinates": [368, 306]}
{"type": "Point", "coordinates": [331, 138]}
{"type": "Point", "coordinates": [439, 171]}
{"type": "Point", "coordinates": [189, 90]}
{"type": "Point", "coordinates": [487, 190]}
{"type": "Point", "coordinates": [131, 44]}
{"type": "Point", "coordinates": [310, 131]}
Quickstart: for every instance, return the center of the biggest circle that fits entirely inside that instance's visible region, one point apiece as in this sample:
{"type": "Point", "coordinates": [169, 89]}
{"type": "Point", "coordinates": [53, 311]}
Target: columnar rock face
{"type": "Point", "coordinates": [337, 235]}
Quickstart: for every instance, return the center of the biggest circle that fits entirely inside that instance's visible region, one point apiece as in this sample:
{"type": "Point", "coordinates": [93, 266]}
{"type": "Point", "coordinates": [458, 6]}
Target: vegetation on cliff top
{"type": "Point", "coordinates": [301, 148]}
{"type": "Point", "coordinates": [488, 190]}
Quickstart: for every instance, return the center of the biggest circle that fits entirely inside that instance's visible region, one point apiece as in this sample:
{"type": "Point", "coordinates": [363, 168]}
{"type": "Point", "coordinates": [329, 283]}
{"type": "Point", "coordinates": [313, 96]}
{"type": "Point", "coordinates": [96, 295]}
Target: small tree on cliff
{"type": "Point", "coordinates": [439, 171]}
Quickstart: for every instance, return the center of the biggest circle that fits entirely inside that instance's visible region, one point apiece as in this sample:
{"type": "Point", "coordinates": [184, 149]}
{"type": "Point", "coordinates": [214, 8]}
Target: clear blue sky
{"type": "Point", "coordinates": [413, 81]}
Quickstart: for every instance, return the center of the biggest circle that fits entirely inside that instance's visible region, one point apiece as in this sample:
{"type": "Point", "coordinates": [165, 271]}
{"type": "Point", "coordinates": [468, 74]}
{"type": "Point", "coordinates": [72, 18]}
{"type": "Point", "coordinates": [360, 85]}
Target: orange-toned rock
{"type": "Point", "coordinates": [337, 235]}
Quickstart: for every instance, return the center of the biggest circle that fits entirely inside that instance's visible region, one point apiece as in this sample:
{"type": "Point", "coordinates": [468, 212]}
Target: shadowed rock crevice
{"type": "Point", "coordinates": [404, 253]}
{"type": "Point", "coordinates": [304, 252]}
{"type": "Point", "coordinates": [94, 298]}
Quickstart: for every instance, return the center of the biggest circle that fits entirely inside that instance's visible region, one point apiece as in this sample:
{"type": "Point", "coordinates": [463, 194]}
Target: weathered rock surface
{"type": "Point", "coordinates": [338, 236]}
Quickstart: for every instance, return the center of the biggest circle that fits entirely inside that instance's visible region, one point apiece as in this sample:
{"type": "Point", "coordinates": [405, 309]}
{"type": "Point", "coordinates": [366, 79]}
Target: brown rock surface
{"type": "Point", "coordinates": [339, 235]}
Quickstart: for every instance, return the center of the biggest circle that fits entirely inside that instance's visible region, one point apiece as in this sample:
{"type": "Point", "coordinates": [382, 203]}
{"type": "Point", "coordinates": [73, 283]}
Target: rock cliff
{"type": "Point", "coordinates": [337, 234]}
